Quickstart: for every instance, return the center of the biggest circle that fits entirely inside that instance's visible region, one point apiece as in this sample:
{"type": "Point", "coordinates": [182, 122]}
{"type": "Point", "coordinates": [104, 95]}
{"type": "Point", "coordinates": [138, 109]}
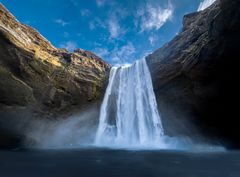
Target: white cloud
{"type": "Point", "coordinates": [114, 28]}
{"type": "Point", "coordinates": [205, 4]}
{"type": "Point", "coordinates": [122, 54]}
{"type": "Point", "coordinates": [69, 45]}
{"type": "Point", "coordinates": [85, 12]}
{"type": "Point", "coordinates": [152, 40]}
{"type": "Point", "coordinates": [100, 23]}
{"type": "Point", "coordinates": [97, 22]}
{"type": "Point", "coordinates": [102, 52]}
{"type": "Point", "coordinates": [153, 17]}
{"type": "Point", "coordinates": [100, 3]}
{"type": "Point", "coordinates": [113, 23]}
{"type": "Point", "coordinates": [61, 22]}
{"type": "Point", "coordinates": [117, 54]}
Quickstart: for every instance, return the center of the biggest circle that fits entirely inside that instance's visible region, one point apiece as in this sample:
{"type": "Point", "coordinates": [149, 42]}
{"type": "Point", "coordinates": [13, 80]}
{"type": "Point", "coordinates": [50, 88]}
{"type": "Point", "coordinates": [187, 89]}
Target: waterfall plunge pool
{"type": "Point", "coordinates": [118, 163]}
{"type": "Point", "coordinates": [130, 142]}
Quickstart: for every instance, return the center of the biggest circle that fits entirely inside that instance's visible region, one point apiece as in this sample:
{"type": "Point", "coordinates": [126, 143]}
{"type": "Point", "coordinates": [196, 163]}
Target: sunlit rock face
{"type": "Point", "coordinates": [34, 71]}
{"type": "Point", "coordinates": [36, 76]}
{"type": "Point", "coordinates": [195, 76]}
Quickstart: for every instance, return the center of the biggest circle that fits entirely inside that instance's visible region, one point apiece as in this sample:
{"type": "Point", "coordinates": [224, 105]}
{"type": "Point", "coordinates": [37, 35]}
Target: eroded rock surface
{"type": "Point", "coordinates": [35, 76]}
{"type": "Point", "coordinates": [35, 72]}
{"type": "Point", "coordinates": [196, 75]}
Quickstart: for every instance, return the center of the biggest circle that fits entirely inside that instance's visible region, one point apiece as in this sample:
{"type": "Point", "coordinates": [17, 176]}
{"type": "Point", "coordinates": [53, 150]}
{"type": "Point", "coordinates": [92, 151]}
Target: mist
{"type": "Point", "coordinates": [79, 131]}
{"type": "Point", "coordinates": [72, 132]}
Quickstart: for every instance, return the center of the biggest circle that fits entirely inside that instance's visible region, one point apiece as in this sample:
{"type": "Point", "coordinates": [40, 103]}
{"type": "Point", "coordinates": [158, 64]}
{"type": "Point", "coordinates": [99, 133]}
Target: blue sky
{"type": "Point", "coordinates": [119, 31]}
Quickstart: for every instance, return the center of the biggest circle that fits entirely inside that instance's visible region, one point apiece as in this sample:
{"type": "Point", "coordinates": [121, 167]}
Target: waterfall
{"type": "Point", "coordinates": [129, 114]}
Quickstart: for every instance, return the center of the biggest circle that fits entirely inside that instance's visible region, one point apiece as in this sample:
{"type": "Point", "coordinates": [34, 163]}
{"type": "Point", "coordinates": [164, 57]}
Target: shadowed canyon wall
{"type": "Point", "coordinates": [195, 75]}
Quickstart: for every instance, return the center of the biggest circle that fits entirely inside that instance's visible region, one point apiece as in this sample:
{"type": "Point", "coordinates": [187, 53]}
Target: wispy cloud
{"type": "Point", "coordinates": [85, 12]}
{"type": "Point", "coordinates": [92, 25]}
{"type": "Point", "coordinates": [61, 22]}
{"type": "Point", "coordinates": [117, 54]}
{"type": "Point", "coordinates": [112, 23]}
{"type": "Point", "coordinates": [152, 39]}
{"type": "Point", "coordinates": [100, 3]}
{"type": "Point", "coordinates": [153, 17]}
{"type": "Point", "coordinates": [114, 28]}
{"type": "Point", "coordinates": [205, 4]}
{"type": "Point", "coordinates": [97, 22]}
{"type": "Point", "coordinates": [122, 54]}
{"type": "Point", "coordinates": [102, 52]}
{"type": "Point", "coordinates": [69, 45]}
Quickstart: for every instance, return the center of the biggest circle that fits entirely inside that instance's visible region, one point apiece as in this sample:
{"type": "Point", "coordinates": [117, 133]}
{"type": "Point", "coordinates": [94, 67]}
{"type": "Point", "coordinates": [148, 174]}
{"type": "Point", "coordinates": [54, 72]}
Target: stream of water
{"type": "Point", "coordinates": [129, 115]}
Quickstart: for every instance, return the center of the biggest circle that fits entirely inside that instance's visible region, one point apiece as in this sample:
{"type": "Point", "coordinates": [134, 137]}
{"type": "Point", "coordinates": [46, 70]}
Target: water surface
{"type": "Point", "coordinates": [118, 163]}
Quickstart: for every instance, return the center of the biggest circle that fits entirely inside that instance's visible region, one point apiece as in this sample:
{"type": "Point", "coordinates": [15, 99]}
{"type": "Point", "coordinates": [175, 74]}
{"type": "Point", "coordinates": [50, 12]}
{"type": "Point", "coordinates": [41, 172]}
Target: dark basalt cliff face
{"type": "Point", "coordinates": [36, 76]}
{"type": "Point", "coordinates": [196, 75]}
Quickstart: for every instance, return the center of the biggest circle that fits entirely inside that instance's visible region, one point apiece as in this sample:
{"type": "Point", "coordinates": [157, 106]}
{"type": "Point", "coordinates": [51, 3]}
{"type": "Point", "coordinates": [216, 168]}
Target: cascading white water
{"type": "Point", "coordinates": [129, 115]}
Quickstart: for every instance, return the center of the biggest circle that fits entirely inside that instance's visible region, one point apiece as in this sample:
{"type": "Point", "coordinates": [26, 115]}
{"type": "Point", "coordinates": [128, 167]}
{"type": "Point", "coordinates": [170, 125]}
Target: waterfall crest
{"type": "Point", "coordinates": [129, 114]}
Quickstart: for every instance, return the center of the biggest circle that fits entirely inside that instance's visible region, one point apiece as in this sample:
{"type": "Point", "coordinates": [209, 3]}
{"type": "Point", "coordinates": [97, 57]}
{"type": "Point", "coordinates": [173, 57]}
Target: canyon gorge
{"type": "Point", "coordinates": [194, 78]}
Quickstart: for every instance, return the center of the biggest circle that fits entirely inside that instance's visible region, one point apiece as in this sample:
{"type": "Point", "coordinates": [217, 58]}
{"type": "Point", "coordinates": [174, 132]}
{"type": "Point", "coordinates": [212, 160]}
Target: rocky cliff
{"type": "Point", "coordinates": [195, 75]}
{"type": "Point", "coordinates": [36, 76]}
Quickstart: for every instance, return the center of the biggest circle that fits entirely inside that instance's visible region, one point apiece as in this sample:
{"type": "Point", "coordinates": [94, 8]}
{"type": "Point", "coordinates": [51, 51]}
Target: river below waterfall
{"type": "Point", "coordinates": [118, 163]}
